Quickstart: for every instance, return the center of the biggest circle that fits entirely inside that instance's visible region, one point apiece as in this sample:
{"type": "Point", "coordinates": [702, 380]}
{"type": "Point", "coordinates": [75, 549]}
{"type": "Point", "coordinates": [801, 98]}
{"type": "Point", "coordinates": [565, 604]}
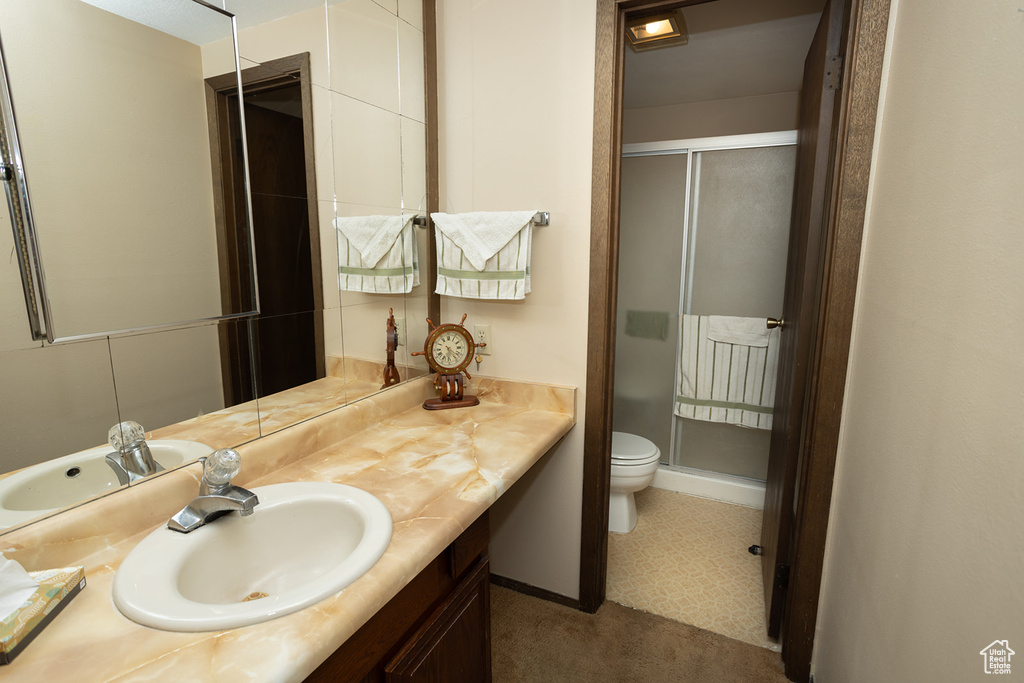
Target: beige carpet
{"type": "Point", "coordinates": [687, 560]}
{"type": "Point", "coordinates": [538, 641]}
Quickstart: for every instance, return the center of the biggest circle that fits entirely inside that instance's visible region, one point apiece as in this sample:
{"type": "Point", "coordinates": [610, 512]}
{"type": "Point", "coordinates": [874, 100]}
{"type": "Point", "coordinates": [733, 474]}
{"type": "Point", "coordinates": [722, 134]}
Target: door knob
{"type": "Point", "coordinates": [772, 323]}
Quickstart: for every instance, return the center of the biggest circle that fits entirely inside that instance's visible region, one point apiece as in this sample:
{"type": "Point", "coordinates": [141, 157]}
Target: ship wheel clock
{"type": "Point", "coordinates": [449, 349]}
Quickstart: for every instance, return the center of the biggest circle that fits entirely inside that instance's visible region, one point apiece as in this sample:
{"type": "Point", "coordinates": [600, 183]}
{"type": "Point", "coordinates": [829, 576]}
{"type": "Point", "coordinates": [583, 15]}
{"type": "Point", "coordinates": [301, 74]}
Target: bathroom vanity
{"type": "Point", "coordinates": [437, 629]}
{"type": "Point", "coordinates": [422, 607]}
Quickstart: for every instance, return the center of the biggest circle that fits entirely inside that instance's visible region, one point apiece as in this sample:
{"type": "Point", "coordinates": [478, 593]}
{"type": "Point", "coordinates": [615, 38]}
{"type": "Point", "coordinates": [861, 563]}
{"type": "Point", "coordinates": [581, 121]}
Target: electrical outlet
{"type": "Point", "coordinates": [482, 335]}
{"type": "Point", "coordinates": [400, 330]}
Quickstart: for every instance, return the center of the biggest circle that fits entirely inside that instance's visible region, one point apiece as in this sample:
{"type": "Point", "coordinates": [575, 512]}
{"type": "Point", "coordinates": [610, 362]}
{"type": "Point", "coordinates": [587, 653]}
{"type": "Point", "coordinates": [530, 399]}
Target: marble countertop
{"type": "Point", "coordinates": [436, 471]}
{"type": "Point", "coordinates": [347, 380]}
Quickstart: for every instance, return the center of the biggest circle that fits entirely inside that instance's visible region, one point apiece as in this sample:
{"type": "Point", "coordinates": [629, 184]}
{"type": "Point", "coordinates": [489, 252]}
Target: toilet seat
{"type": "Point", "coordinates": [634, 463]}
{"type": "Point", "coordinates": [630, 449]}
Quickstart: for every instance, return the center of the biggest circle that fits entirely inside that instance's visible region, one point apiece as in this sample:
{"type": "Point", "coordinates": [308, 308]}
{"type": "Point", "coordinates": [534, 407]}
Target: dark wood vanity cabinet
{"type": "Point", "coordinates": [438, 628]}
{"type": "Point", "coordinates": [454, 644]}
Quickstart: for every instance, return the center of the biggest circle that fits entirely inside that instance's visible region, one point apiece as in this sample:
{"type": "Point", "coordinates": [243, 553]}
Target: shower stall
{"type": "Point", "coordinates": [704, 230]}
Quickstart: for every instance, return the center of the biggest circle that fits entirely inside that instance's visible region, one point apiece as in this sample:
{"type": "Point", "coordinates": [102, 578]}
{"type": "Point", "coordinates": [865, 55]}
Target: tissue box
{"type": "Point", "coordinates": [56, 589]}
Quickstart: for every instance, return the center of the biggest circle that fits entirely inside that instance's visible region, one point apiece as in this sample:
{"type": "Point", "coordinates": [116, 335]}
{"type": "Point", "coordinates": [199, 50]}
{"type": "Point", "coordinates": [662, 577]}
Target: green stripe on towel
{"type": "Point", "coordinates": [375, 272]}
{"type": "Point", "coordinates": [477, 275]}
{"type": "Point", "coordinates": [723, 404]}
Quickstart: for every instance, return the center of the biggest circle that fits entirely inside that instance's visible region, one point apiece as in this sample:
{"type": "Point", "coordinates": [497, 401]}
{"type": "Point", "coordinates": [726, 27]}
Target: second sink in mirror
{"type": "Point", "coordinates": [50, 486]}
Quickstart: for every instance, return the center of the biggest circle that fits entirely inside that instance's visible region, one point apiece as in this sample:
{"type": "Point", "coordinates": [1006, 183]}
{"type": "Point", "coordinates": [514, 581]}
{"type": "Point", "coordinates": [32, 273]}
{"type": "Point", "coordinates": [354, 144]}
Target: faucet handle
{"type": "Point", "coordinates": [221, 467]}
{"type": "Point", "coordinates": [125, 434]}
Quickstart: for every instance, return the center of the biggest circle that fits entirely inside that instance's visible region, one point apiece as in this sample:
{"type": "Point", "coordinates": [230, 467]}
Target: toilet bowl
{"type": "Point", "coordinates": [634, 463]}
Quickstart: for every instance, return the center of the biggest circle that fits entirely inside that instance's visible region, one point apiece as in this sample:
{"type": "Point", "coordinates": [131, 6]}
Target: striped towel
{"type": "Point", "coordinates": [377, 254]}
{"type": "Point", "coordinates": [484, 255]}
{"type": "Point", "coordinates": [723, 382]}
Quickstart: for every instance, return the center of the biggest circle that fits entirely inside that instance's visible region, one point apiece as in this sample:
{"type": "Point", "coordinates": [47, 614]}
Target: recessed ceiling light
{"type": "Point", "coordinates": [651, 31]}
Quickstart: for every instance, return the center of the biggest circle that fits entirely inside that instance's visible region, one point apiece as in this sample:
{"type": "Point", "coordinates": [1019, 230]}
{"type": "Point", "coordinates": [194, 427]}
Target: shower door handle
{"type": "Point", "coordinates": [772, 323]}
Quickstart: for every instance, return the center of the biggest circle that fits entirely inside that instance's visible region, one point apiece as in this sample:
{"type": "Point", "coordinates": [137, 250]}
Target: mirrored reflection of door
{"type": "Point", "coordinates": [287, 338]}
{"type": "Point", "coordinates": [287, 240]}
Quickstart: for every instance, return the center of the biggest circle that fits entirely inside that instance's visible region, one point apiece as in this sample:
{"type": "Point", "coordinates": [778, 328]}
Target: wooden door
{"type": "Point", "coordinates": [814, 162]}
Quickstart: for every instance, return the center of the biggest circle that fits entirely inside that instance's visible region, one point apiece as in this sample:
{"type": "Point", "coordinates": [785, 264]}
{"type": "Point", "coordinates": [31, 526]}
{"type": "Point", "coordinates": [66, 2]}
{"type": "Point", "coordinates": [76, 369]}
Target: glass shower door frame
{"type": "Point", "coordinates": [692, 147]}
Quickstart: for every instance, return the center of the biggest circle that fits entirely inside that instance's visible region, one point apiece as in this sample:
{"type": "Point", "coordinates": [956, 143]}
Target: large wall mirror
{"type": "Point", "coordinates": [336, 126]}
{"type": "Point", "coordinates": [114, 137]}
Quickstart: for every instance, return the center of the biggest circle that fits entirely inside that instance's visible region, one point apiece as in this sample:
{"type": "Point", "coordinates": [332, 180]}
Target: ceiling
{"type": "Point", "coordinates": [737, 48]}
{"type": "Point", "coordinates": [192, 22]}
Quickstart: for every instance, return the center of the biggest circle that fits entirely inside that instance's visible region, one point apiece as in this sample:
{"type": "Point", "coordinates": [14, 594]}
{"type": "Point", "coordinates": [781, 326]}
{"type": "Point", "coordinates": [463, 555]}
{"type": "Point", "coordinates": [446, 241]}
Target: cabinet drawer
{"type": "Point", "coordinates": [470, 545]}
{"type": "Point", "coordinates": [454, 644]}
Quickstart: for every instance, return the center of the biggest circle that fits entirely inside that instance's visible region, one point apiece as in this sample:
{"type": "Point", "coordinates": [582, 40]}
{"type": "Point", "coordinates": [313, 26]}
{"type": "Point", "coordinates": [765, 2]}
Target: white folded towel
{"type": "Point", "coordinates": [484, 255]}
{"type": "Point", "coordinates": [372, 236]}
{"type": "Point", "coordinates": [482, 234]}
{"type": "Point", "coordinates": [725, 382]}
{"type": "Point", "coordinates": [733, 330]}
{"type": "Point", "coordinates": [377, 254]}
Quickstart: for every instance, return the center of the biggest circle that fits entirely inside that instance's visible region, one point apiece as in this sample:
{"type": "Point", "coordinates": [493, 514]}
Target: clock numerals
{"type": "Point", "coordinates": [450, 350]}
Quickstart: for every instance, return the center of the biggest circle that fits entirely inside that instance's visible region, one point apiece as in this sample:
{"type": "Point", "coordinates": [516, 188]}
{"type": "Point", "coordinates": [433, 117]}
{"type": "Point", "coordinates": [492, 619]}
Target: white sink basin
{"type": "Point", "coordinates": [304, 542]}
{"type": "Point", "coordinates": [51, 486]}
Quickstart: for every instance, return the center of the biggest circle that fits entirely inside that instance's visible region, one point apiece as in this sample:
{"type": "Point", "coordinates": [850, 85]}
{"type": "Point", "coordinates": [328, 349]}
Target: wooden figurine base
{"type": "Point", "coordinates": [440, 404]}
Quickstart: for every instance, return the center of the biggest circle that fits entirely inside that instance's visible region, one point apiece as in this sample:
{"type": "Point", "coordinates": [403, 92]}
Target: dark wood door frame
{"type": "Point", "coordinates": [433, 164]}
{"type": "Point", "coordinates": [852, 147]}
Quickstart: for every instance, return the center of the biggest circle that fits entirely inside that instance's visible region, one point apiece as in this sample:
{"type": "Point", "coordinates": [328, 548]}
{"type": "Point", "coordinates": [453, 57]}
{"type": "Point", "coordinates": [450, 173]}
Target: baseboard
{"type": "Point", "coordinates": [722, 487]}
{"type": "Point", "coordinates": [534, 592]}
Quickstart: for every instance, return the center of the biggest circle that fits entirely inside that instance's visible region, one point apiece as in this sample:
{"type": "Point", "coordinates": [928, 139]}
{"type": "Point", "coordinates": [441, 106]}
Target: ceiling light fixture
{"type": "Point", "coordinates": [652, 31]}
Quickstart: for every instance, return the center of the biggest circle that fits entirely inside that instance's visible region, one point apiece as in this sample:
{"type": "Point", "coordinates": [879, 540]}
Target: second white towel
{"type": "Point", "coordinates": [484, 255]}
{"type": "Point", "coordinates": [733, 330]}
{"type": "Point", "coordinates": [723, 382]}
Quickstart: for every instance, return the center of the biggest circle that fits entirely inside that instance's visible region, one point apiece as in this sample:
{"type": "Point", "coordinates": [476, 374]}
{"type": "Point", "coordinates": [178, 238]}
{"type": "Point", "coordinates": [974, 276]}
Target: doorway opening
{"type": "Point", "coordinates": [834, 152]}
{"type": "Point", "coordinates": [286, 339]}
{"type": "Point", "coordinates": [704, 227]}
{"type": "Point", "coordinates": [703, 241]}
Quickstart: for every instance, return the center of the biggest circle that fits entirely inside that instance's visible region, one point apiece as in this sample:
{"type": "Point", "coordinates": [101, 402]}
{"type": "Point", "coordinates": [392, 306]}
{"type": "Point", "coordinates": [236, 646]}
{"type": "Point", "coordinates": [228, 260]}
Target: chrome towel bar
{"type": "Point", "coordinates": [540, 218]}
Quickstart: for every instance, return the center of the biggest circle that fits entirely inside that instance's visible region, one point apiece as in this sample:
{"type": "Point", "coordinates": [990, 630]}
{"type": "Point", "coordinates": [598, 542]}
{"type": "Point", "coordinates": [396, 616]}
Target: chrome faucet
{"type": "Point", "coordinates": [217, 495]}
{"type": "Point", "coordinates": [131, 459]}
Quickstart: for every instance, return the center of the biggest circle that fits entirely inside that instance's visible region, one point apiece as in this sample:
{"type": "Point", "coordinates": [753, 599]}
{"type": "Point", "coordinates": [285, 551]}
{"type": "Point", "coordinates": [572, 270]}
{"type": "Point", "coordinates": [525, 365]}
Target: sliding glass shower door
{"type": "Point", "coordinates": [704, 231]}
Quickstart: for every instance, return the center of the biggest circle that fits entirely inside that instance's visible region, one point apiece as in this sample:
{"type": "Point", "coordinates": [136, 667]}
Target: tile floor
{"type": "Point", "coordinates": [687, 560]}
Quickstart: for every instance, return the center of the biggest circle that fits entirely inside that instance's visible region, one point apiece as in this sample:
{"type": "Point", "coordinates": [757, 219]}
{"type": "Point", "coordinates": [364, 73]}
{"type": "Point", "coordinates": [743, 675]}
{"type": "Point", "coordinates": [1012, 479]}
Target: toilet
{"type": "Point", "coordinates": [634, 462]}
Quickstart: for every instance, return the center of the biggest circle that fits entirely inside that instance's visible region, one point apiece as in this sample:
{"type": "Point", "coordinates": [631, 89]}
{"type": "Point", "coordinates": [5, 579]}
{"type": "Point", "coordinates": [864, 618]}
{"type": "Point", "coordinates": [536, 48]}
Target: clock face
{"type": "Point", "coordinates": [449, 349]}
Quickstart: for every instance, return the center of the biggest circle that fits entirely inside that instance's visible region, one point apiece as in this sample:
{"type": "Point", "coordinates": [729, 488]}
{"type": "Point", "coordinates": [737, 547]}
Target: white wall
{"type": "Point", "coordinates": [516, 113]}
{"type": "Point", "coordinates": [735, 116]}
{"type": "Point", "coordinates": [122, 248]}
{"type": "Point", "coordinates": [926, 544]}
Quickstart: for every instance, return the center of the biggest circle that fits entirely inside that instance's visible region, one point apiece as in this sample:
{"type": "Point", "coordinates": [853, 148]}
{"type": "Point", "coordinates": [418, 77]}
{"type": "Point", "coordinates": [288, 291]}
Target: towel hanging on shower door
{"type": "Point", "coordinates": [725, 382]}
